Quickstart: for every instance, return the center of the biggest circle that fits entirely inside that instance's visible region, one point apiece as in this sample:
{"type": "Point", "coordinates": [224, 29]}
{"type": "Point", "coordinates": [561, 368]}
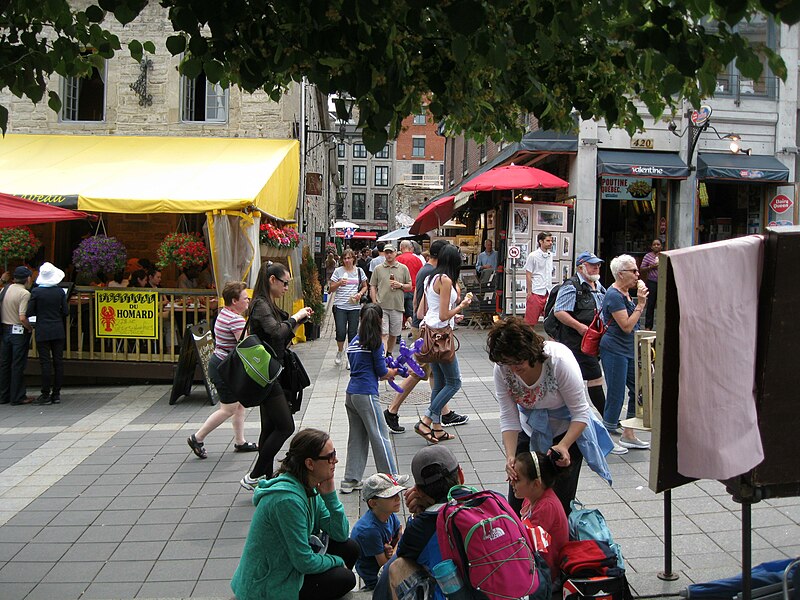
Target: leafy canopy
{"type": "Point", "coordinates": [482, 63]}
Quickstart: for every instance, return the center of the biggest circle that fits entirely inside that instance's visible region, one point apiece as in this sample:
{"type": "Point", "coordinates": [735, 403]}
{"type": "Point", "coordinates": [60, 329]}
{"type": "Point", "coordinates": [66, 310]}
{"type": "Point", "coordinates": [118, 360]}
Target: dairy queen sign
{"type": "Point", "coordinates": [781, 203]}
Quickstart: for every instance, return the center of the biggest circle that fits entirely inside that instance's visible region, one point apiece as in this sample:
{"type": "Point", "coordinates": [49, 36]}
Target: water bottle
{"type": "Point", "coordinates": [446, 574]}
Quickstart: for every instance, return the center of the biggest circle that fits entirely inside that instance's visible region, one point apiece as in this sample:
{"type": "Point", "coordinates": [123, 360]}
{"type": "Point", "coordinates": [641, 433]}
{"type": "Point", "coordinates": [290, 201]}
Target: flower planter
{"type": "Point", "coordinates": [267, 250]}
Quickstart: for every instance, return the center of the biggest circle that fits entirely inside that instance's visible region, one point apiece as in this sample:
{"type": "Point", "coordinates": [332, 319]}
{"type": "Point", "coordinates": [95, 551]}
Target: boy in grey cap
{"type": "Point", "coordinates": [379, 529]}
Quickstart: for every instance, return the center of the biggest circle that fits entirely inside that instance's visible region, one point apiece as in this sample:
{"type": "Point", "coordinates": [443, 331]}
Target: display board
{"type": "Point", "coordinates": [196, 348]}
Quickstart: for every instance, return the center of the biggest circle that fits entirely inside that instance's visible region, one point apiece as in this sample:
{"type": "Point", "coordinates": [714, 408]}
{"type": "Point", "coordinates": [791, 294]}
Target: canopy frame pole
{"type": "Point", "coordinates": [667, 574]}
{"type": "Point", "coordinates": [514, 263]}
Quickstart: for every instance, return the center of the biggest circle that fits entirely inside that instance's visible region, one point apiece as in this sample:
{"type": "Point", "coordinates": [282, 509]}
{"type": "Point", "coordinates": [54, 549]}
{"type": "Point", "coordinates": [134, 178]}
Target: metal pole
{"type": "Point", "coordinates": [747, 558]}
{"type": "Point", "coordinates": [667, 574]}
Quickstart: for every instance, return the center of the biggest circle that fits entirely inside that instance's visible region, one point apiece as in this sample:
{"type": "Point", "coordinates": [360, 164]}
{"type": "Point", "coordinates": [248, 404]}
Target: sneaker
{"type": "Point", "coordinates": [617, 449]}
{"type": "Point", "coordinates": [42, 399]}
{"type": "Point", "coordinates": [347, 366]}
{"type": "Point", "coordinates": [453, 419]}
{"type": "Point", "coordinates": [248, 483]}
{"type": "Point", "coordinates": [350, 486]}
{"type": "Point", "coordinates": [338, 359]}
{"type": "Point", "coordinates": [614, 430]}
{"type": "Point", "coordinates": [393, 421]}
{"type": "Point", "coordinates": [634, 444]}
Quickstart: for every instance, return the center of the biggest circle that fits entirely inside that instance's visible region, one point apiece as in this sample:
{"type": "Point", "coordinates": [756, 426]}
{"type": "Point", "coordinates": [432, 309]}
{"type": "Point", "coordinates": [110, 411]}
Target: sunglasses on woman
{"type": "Point", "coordinates": [330, 457]}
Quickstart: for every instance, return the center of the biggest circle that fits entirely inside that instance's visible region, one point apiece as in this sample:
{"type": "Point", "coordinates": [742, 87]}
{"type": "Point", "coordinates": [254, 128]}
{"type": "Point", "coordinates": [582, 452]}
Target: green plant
{"type": "Point", "coordinates": [17, 243]}
{"type": "Point", "coordinates": [312, 289]}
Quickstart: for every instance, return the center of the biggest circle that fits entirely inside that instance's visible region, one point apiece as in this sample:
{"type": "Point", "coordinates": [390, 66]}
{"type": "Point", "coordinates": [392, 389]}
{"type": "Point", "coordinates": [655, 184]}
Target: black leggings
{"type": "Point", "coordinates": [336, 582]}
{"type": "Point", "coordinates": [277, 426]}
{"type": "Point", "coordinates": [565, 487]}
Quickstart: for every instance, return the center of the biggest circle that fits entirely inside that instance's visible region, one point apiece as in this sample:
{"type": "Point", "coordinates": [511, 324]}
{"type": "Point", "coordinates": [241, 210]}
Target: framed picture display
{"type": "Point", "coordinates": [521, 284]}
{"type": "Point", "coordinates": [566, 269]}
{"type": "Point", "coordinates": [523, 256]}
{"type": "Point", "coordinates": [554, 248]}
{"type": "Point", "coordinates": [490, 219]}
{"type": "Point", "coordinates": [520, 306]}
{"type": "Point", "coordinates": [565, 247]}
{"type": "Point", "coordinates": [550, 217]}
{"type": "Point", "coordinates": [556, 272]}
{"type": "Point", "coordinates": [521, 221]}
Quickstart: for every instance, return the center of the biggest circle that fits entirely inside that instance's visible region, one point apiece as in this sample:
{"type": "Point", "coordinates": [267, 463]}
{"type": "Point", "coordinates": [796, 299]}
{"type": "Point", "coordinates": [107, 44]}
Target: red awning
{"type": "Point", "coordinates": [360, 235]}
{"type": "Point", "coordinates": [513, 177]}
{"type": "Point", "coordinates": [18, 211]}
{"type": "Point", "coordinates": [434, 215]}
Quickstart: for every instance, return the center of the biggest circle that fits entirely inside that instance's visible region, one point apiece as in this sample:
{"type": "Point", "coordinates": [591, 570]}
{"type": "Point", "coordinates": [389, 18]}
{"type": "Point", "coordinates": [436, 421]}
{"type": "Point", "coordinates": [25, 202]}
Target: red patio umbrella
{"type": "Point", "coordinates": [513, 177]}
{"type": "Point", "coordinates": [19, 211]}
{"type": "Point", "coordinates": [433, 215]}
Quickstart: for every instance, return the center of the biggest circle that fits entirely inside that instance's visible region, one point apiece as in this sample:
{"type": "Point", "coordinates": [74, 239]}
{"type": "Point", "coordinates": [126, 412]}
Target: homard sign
{"type": "Point", "coordinates": [126, 314]}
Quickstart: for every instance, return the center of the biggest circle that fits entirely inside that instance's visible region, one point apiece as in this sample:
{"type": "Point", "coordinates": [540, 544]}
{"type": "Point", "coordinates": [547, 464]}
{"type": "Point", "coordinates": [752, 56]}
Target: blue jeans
{"type": "Point", "coordinates": [13, 358]}
{"type": "Point", "coordinates": [446, 382]}
{"type": "Point", "coordinates": [619, 371]}
{"type": "Point", "coordinates": [346, 323]}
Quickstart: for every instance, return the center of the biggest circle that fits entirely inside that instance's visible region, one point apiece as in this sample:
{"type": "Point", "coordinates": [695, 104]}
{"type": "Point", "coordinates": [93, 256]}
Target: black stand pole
{"type": "Point", "coordinates": [747, 558]}
{"type": "Point", "coordinates": [667, 574]}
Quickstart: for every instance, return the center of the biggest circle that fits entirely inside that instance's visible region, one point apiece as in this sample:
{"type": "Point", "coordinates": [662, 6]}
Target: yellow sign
{"type": "Point", "coordinates": [126, 314]}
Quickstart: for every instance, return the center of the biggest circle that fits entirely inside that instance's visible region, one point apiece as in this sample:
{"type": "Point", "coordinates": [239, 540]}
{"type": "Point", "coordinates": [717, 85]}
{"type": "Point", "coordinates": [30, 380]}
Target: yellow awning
{"type": "Point", "coordinates": [133, 174]}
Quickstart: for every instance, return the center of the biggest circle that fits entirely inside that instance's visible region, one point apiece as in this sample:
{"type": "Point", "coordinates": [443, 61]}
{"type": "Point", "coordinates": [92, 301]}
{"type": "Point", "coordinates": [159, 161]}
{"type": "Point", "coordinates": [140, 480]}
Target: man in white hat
{"type": "Point", "coordinates": [48, 303]}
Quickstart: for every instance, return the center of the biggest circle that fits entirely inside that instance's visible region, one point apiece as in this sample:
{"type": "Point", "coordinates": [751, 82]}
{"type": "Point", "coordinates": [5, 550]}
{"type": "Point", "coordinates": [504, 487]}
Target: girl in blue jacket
{"type": "Point", "coordinates": [367, 425]}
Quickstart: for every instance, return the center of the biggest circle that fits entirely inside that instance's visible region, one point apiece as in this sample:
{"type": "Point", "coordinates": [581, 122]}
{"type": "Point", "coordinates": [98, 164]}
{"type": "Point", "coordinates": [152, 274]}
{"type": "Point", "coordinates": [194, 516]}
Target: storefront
{"type": "Point", "coordinates": [735, 194]}
{"type": "Point", "coordinates": [635, 192]}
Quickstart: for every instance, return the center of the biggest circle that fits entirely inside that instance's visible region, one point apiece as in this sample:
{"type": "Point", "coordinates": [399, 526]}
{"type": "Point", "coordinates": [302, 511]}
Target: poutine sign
{"type": "Point", "coordinates": [126, 314]}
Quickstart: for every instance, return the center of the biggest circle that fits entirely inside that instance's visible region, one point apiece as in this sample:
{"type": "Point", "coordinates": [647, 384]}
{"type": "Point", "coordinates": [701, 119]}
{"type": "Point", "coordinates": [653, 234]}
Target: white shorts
{"type": "Point", "coordinates": [392, 322]}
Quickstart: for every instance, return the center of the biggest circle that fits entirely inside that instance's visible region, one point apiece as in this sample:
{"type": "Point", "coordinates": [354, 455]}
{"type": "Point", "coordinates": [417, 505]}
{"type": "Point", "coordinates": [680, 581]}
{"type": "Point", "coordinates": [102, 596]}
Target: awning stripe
{"type": "Point", "coordinates": [659, 165]}
{"type": "Point", "coordinates": [741, 167]}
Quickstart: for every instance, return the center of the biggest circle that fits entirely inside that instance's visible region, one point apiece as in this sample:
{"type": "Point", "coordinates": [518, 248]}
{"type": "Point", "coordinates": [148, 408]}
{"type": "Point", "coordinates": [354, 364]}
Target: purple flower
{"type": "Point", "coordinates": [99, 253]}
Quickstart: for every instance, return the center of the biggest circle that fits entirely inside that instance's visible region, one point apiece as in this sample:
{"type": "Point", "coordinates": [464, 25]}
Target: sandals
{"type": "Point", "coordinates": [429, 437]}
{"type": "Point", "coordinates": [246, 447]}
{"type": "Point", "coordinates": [442, 438]}
{"type": "Point", "coordinates": [197, 447]}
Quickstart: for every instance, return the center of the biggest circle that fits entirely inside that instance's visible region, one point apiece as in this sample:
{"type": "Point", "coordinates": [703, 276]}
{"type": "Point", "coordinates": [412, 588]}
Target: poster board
{"type": "Point", "coordinates": [197, 347]}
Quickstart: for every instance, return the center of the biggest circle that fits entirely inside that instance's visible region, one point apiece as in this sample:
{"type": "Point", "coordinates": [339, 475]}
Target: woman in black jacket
{"type": "Point", "coordinates": [275, 327]}
{"type": "Point", "coordinates": [48, 303]}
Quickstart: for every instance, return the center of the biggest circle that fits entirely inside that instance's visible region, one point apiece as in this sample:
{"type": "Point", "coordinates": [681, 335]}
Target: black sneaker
{"type": "Point", "coordinates": [453, 419]}
{"type": "Point", "coordinates": [393, 421]}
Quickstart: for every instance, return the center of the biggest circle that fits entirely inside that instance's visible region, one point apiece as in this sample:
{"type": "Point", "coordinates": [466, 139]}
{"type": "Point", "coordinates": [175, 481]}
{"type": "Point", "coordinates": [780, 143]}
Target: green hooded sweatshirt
{"type": "Point", "coordinates": [276, 555]}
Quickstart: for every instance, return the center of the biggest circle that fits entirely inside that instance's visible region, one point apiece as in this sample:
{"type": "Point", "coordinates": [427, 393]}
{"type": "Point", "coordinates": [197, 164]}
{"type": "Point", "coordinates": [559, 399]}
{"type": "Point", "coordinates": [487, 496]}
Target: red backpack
{"type": "Point", "coordinates": [491, 547]}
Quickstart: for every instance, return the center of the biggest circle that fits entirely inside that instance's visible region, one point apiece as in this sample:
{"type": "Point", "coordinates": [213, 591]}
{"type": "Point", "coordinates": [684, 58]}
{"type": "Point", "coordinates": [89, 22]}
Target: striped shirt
{"type": "Point", "coordinates": [353, 279]}
{"type": "Point", "coordinates": [225, 338]}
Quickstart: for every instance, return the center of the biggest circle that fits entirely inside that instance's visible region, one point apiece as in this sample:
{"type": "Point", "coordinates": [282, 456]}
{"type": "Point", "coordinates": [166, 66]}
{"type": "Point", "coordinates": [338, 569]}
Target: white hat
{"type": "Point", "coordinates": [49, 274]}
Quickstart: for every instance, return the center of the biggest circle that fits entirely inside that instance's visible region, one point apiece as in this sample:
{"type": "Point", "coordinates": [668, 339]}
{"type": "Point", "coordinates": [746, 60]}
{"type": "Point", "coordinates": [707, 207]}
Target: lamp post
{"type": "Point", "coordinates": [699, 122]}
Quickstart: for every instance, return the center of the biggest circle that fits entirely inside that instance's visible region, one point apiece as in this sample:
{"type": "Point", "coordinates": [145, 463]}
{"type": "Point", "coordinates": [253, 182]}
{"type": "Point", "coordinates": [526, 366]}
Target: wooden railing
{"type": "Point", "coordinates": [179, 309]}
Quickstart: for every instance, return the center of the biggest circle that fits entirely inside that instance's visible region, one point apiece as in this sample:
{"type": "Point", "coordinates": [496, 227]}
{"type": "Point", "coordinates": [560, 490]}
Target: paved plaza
{"type": "Point", "coordinates": [100, 496]}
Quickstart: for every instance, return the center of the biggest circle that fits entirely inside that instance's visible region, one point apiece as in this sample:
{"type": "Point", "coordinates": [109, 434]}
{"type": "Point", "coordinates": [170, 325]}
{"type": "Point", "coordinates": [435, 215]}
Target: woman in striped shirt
{"type": "Point", "coordinates": [227, 330]}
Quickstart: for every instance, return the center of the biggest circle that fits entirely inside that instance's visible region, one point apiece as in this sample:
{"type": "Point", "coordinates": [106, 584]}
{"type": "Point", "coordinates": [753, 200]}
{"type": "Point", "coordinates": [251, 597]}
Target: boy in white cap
{"type": "Point", "coordinates": [379, 529]}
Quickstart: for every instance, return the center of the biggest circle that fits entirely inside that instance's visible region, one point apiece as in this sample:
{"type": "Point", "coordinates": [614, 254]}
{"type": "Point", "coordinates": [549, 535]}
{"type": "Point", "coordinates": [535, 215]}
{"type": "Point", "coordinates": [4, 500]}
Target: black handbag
{"type": "Point", "coordinates": [294, 379]}
{"type": "Point", "coordinates": [242, 376]}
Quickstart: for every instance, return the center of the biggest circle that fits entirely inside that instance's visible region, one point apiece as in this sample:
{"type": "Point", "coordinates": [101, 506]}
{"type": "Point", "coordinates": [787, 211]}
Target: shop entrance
{"type": "Point", "coordinates": [728, 210]}
{"type": "Point", "coordinates": [633, 212]}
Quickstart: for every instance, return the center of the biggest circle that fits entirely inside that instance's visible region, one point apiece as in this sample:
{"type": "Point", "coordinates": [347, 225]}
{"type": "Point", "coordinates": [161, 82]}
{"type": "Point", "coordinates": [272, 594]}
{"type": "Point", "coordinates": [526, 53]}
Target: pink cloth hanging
{"type": "Point", "coordinates": [717, 285]}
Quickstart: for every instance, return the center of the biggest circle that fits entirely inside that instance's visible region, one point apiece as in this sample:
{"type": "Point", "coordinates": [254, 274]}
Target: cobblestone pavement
{"type": "Point", "coordinates": [100, 497]}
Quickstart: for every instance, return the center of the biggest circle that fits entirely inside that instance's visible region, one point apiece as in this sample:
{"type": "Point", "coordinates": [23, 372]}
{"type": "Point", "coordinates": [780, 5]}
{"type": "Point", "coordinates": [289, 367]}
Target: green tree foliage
{"type": "Point", "coordinates": [482, 62]}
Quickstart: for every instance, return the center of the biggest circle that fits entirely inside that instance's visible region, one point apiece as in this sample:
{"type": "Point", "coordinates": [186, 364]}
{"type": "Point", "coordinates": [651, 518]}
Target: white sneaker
{"type": "Point", "coordinates": [248, 483]}
{"type": "Point", "coordinates": [338, 359]}
{"type": "Point", "coordinates": [348, 487]}
{"type": "Point", "coordinates": [634, 444]}
{"type": "Point", "coordinates": [347, 366]}
{"type": "Point", "coordinates": [617, 449]}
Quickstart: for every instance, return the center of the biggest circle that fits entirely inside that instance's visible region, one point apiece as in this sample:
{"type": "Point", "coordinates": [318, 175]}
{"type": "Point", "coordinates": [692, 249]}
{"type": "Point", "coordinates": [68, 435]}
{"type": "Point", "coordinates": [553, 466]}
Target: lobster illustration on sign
{"type": "Point", "coordinates": [108, 317]}
{"type": "Point", "coordinates": [405, 361]}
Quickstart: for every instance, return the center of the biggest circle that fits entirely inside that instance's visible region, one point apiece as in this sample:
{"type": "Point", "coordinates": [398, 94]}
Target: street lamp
{"type": "Point", "coordinates": [344, 104]}
{"type": "Point", "coordinates": [700, 121]}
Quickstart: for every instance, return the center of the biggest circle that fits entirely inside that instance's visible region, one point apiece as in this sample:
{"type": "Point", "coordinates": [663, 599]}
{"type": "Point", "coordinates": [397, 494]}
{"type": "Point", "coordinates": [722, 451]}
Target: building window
{"type": "Point", "coordinates": [381, 210]}
{"type": "Point", "coordinates": [359, 175]}
{"type": "Point", "coordinates": [482, 152]}
{"type": "Point", "coordinates": [418, 147]}
{"type": "Point", "coordinates": [421, 117]}
{"type": "Point", "coordinates": [340, 206]}
{"type": "Point", "coordinates": [452, 160]}
{"type": "Point", "coordinates": [341, 175]}
{"type": "Point", "coordinates": [761, 32]}
{"type": "Point", "coordinates": [360, 206]}
{"type": "Point", "coordinates": [203, 101]}
{"type": "Point", "coordinates": [381, 175]}
{"type": "Point", "coordinates": [340, 151]}
{"type": "Point", "coordinates": [85, 97]}
{"type": "Point", "coordinates": [417, 171]}
{"type": "Point", "coordinates": [383, 153]}
{"type": "Point", "coordinates": [359, 151]}
{"type": "Point", "coordinates": [465, 160]}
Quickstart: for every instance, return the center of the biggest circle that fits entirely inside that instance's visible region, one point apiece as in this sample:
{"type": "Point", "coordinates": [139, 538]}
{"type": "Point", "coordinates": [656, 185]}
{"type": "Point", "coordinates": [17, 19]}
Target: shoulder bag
{"type": "Point", "coordinates": [294, 379]}
{"type": "Point", "coordinates": [590, 344]}
{"type": "Point", "coordinates": [250, 369]}
{"type": "Point", "coordinates": [439, 344]}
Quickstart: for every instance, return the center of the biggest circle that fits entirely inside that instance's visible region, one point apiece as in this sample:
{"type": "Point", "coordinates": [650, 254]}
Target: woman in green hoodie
{"type": "Point", "coordinates": [298, 545]}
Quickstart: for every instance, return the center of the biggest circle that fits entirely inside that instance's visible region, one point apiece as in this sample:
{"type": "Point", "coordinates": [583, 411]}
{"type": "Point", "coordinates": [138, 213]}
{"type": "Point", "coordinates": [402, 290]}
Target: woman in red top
{"type": "Point", "coordinates": [536, 474]}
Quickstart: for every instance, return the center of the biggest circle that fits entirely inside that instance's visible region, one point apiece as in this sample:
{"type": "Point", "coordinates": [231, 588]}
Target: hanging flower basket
{"type": "Point", "coordinates": [183, 250]}
{"type": "Point", "coordinates": [278, 237]}
{"type": "Point", "coordinates": [99, 253]}
{"type": "Point", "coordinates": [17, 243]}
